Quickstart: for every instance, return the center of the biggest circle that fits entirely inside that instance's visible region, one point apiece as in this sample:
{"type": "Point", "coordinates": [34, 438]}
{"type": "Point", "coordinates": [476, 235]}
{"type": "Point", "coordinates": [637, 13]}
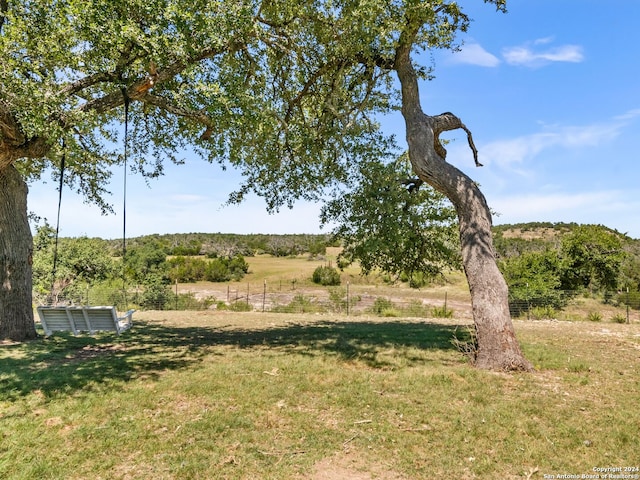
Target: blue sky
{"type": "Point", "coordinates": [550, 90]}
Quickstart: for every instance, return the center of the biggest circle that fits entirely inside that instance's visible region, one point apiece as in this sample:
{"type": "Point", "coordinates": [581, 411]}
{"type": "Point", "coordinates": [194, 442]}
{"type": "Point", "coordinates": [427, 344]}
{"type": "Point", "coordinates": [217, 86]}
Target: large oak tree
{"type": "Point", "coordinates": [286, 91]}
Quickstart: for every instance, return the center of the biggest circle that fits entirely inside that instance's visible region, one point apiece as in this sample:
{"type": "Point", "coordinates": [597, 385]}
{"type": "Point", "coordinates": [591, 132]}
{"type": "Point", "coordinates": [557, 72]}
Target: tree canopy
{"type": "Point", "coordinates": [390, 220]}
{"type": "Point", "coordinates": [287, 91]}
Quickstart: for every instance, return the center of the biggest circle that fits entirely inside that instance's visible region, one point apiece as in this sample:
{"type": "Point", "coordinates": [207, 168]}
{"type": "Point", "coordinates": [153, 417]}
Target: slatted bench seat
{"type": "Point", "coordinates": [83, 319]}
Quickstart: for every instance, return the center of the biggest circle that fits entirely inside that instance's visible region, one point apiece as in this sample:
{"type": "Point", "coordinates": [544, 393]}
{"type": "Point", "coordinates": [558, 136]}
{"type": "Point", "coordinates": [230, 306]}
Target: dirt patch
{"type": "Point", "coordinates": [347, 466]}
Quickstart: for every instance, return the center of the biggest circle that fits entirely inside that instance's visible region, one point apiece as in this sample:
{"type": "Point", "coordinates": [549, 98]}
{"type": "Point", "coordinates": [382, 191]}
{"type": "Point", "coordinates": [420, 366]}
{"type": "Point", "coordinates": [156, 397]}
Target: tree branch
{"type": "Point", "coordinates": [4, 8]}
{"type": "Point", "coordinates": [125, 59]}
{"type": "Point", "coordinates": [138, 89]}
{"type": "Point", "coordinates": [10, 131]}
{"type": "Point", "coordinates": [324, 68]}
{"type": "Point", "coordinates": [448, 121]}
{"type": "Point", "coordinates": [166, 105]}
{"type": "Point", "coordinates": [403, 66]}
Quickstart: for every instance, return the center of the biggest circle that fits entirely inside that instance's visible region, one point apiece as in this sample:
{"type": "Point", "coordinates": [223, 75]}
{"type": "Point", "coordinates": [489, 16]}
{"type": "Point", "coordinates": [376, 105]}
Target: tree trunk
{"type": "Point", "coordinates": [497, 347]}
{"type": "Point", "coordinates": [16, 249]}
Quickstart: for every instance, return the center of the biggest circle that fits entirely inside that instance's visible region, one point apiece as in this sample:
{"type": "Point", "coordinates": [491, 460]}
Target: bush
{"type": "Point", "coordinates": [299, 304]}
{"type": "Point", "coordinates": [442, 312]}
{"type": "Point", "coordinates": [326, 276]}
{"type": "Point", "coordinates": [156, 294]}
{"type": "Point", "coordinates": [189, 269]}
{"type": "Point", "coordinates": [416, 279]}
{"type": "Point", "coordinates": [545, 312]}
{"type": "Point", "coordinates": [217, 271]}
{"type": "Point", "coordinates": [338, 298]}
{"type": "Point", "coordinates": [617, 318]}
{"type": "Point", "coordinates": [594, 317]}
{"type": "Point", "coordinates": [188, 301]}
{"type": "Point", "coordinates": [240, 306]}
{"type": "Point", "coordinates": [415, 309]}
{"type": "Point", "coordinates": [381, 304]}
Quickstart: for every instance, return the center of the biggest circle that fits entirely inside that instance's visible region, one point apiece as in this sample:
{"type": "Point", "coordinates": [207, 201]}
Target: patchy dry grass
{"type": "Point", "coordinates": [208, 395]}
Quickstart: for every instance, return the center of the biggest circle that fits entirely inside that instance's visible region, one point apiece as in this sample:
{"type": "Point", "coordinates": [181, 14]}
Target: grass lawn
{"type": "Point", "coordinates": [208, 395]}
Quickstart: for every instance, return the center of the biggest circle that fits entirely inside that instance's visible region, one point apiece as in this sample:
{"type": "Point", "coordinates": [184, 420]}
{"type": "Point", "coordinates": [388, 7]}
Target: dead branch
{"type": "Point", "coordinates": [448, 121]}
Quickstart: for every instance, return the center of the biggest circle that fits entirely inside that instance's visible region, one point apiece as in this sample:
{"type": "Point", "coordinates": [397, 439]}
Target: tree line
{"type": "Point", "coordinates": [544, 264]}
{"type": "Point", "coordinates": [547, 263]}
{"type": "Point", "coordinates": [230, 244]}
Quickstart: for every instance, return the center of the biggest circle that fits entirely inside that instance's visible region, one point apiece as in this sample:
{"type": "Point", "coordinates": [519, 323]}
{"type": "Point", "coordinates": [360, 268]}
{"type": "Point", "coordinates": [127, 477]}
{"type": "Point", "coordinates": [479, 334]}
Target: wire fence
{"type": "Point", "coordinates": [278, 297]}
{"type": "Point", "coordinates": [290, 297]}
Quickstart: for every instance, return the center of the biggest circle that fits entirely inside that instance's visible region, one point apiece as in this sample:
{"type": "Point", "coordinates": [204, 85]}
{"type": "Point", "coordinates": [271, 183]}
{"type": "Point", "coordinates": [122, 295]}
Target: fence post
{"type": "Point", "coordinates": [628, 320]}
{"type": "Point", "coordinates": [264, 294]}
{"type": "Point", "coordinates": [348, 299]}
{"type": "Point", "coordinates": [176, 294]}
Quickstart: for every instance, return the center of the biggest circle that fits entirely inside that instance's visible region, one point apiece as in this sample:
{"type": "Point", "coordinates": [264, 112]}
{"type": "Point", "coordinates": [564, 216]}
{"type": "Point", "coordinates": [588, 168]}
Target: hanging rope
{"type": "Point", "coordinates": [61, 184]}
{"type": "Point", "coordinates": [124, 199]}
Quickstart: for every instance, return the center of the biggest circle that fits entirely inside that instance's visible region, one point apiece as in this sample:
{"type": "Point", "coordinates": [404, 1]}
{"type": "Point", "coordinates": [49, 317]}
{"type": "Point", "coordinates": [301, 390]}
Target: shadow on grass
{"type": "Point", "coordinates": [63, 364]}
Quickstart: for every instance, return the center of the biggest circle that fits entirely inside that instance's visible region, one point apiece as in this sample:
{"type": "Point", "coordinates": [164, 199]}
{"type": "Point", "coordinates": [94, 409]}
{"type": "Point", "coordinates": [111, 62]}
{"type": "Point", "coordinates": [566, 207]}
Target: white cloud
{"type": "Point", "coordinates": [630, 115]}
{"type": "Point", "coordinates": [529, 56]}
{"type": "Point", "coordinates": [544, 41]}
{"type": "Point", "coordinates": [188, 198]}
{"type": "Point", "coordinates": [508, 153]}
{"type": "Point", "coordinates": [474, 54]}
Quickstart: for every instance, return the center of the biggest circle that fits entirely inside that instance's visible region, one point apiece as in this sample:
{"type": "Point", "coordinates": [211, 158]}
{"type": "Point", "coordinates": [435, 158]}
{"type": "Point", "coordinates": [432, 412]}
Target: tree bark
{"type": "Point", "coordinates": [16, 250]}
{"type": "Point", "coordinates": [497, 347]}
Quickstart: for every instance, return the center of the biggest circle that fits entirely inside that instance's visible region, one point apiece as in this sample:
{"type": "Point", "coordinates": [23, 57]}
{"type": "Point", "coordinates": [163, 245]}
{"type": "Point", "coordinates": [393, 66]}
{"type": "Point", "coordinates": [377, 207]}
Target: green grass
{"type": "Point", "coordinates": [201, 395]}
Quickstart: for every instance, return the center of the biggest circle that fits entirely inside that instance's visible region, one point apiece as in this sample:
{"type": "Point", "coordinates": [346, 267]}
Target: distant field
{"type": "Point", "coordinates": [289, 276]}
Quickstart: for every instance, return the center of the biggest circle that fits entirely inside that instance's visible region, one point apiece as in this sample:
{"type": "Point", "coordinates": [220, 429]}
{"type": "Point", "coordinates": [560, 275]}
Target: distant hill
{"type": "Point", "coordinates": [543, 230]}
{"type": "Point", "coordinates": [510, 239]}
{"type": "Point", "coordinates": [229, 244]}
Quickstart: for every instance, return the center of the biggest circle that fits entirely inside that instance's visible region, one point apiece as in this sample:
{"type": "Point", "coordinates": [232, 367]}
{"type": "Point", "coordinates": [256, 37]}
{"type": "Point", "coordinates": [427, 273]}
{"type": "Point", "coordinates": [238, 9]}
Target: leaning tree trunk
{"type": "Point", "coordinates": [497, 347]}
{"type": "Point", "coordinates": [16, 249]}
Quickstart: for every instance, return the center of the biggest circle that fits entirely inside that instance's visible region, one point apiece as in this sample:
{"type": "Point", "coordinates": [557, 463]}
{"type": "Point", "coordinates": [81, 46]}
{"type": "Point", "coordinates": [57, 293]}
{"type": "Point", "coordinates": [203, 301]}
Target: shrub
{"type": "Point", "coordinates": [416, 279]}
{"type": "Point", "coordinates": [217, 271]}
{"type": "Point", "coordinates": [299, 304]}
{"type": "Point", "coordinates": [594, 317]}
{"type": "Point", "coordinates": [326, 276]}
{"type": "Point", "coordinates": [240, 306]}
{"type": "Point", "coordinates": [186, 269]}
{"type": "Point", "coordinates": [156, 294]}
{"type": "Point", "coordinates": [547, 311]}
{"type": "Point", "coordinates": [338, 298]}
{"type": "Point", "coordinates": [415, 309]}
{"type": "Point", "coordinates": [381, 304]}
{"type": "Point", "coordinates": [189, 269]}
{"type": "Point", "coordinates": [221, 305]}
{"type": "Point", "coordinates": [188, 301]}
{"type": "Point", "coordinates": [617, 318]}
{"type": "Point", "coordinates": [238, 267]}
{"type": "Point", "coordinates": [442, 312]}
